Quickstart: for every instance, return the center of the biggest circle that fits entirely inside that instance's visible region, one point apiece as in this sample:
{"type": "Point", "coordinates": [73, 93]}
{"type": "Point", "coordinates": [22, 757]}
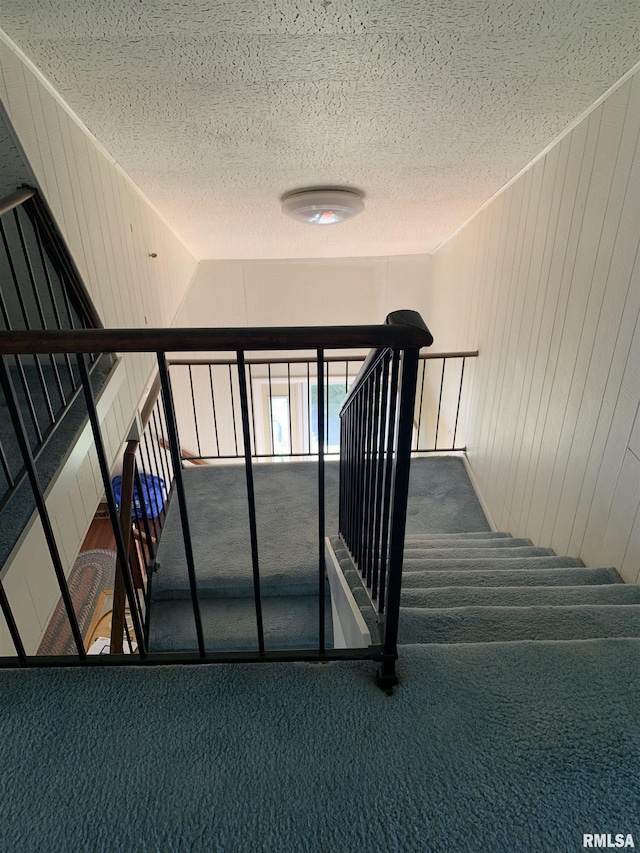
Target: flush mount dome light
{"type": "Point", "coordinates": [322, 206]}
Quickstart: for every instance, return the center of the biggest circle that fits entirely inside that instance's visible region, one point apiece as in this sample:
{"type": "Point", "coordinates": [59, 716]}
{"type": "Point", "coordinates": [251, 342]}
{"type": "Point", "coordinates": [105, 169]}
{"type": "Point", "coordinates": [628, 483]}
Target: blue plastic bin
{"type": "Point", "coordinates": [153, 495]}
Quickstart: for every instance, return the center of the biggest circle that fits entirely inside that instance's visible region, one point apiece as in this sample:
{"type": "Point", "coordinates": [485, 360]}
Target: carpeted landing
{"type": "Point", "coordinates": [287, 510]}
{"type": "Point", "coordinates": [518, 747]}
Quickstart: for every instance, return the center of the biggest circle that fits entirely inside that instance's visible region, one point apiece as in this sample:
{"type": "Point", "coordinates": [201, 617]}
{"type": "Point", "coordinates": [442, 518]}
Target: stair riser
{"type": "Point", "coordinates": [521, 596]}
{"type": "Point", "coordinates": [495, 563]}
{"type": "Point", "coordinates": [415, 544]}
{"type": "Point", "coordinates": [519, 577]}
{"type": "Point", "coordinates": [508, 624]}
{"type": "Point", "coordinates": [413, 554]}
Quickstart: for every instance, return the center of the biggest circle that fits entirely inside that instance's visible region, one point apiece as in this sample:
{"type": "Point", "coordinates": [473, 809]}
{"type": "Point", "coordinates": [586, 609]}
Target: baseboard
{"type": "Point", "coordinates": [476, 489]}
{"type": "Point", "coordinates": [349, 628]}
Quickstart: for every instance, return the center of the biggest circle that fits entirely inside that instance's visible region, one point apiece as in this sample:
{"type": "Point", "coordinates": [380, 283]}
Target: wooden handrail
{"type": "Point", "coordinates": [409, 320]}
{"type": "Point", "coordinates": [185, 454]}
{"type": "Point", "coordinates": [214, 340]}
{"type": "Point", "coordinates": [151, 400]}
{"type": "Point", "coordinates": [15, 199]}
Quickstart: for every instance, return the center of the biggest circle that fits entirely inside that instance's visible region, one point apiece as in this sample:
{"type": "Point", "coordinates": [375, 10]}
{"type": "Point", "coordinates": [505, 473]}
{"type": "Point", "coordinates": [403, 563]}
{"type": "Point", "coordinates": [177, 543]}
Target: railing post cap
{"type": "Point", "coordinates": [409, 317]}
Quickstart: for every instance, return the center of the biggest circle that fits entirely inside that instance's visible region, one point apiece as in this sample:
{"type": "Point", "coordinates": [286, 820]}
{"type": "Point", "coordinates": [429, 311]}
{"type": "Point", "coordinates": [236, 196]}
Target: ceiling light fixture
{"type": "Point", "coordinates": [322, 206]}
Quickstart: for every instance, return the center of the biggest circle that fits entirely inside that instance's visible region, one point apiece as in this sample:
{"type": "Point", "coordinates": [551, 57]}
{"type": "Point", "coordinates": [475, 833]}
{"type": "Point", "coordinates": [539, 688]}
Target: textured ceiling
{"type": "Point", "coordinates": [217, 107]}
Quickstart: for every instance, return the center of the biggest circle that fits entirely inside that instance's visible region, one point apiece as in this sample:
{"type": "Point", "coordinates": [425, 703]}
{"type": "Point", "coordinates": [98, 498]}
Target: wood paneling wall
{"type": "Point", "coordinates": [545, 281]}
{"type": "Point", "coordinates": [110, 230]}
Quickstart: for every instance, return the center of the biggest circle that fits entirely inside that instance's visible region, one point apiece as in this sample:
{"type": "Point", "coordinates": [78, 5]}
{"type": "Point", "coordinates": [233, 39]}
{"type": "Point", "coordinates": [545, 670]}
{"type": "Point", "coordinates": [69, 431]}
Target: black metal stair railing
{"type": "Point", "coordinates": [377, 422]}
{"type": "Point", "coordinates": [401, 338]}
{"type": "Point", "coordinates": [39, 289]}
{"type": "Point", "coordinates": [208, 387]}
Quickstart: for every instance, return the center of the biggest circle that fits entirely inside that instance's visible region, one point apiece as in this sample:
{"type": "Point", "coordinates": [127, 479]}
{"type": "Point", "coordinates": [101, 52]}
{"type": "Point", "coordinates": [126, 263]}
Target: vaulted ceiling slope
{"type": "Point", "coordinates": [217, 107]}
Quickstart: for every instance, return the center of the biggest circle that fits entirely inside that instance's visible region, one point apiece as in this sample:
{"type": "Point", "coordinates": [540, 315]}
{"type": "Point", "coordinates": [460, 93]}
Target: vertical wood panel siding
{"type": "Point", "coordinates": [545, 281]}
{"type": "Point", "coordinates": [110, 230]}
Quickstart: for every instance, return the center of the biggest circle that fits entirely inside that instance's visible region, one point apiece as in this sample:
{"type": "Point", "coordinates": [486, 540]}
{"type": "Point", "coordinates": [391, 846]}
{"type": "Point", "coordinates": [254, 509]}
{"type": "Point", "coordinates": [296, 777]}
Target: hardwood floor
{"type": "Point", "coordinates": [100, 535]}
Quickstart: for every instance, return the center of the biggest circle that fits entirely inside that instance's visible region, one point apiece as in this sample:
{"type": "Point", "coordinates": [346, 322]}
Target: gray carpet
{"type": "Point", "coordinates": [521, 596]}
{"type": "Point", "coordinates": [286, 508]}
{"type": "Point", "coordinates": [488, 624]}
{"type": "Point", "coordinates": [441, 499]}
{"type": "Point", "coordinates": [229, 624]}
{"type": "Point", "coordinates": [485, 748]}
{"type": "Point", "coordinates": [514, 747]}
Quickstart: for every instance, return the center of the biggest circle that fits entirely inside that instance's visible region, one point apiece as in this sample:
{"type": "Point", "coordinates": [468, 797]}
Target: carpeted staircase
{"type": "Point", "coordinates": [458, 587]}
{"type": "Point", "coordinates": [491, 742]}
{"type": "Point", "coordinates": [489, 587]}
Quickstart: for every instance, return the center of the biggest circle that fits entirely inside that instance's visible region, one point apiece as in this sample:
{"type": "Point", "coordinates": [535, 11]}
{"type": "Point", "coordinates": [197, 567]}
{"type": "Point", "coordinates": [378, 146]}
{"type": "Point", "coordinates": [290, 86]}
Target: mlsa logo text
{"type": "Point", "coordinates": [611, 841]}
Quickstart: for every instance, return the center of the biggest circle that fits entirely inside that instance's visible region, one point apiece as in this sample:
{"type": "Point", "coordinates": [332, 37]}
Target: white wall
{"type": "Point", "coordinates": [340, 291]}
{"type": "Point", "coordinates": [110, 230]}
{"type": "Point", "coordinates": [545, 281]}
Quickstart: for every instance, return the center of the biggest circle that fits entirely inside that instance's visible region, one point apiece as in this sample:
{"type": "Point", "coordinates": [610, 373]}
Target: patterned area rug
{"type": "Point", "coordinates": [92, 573]}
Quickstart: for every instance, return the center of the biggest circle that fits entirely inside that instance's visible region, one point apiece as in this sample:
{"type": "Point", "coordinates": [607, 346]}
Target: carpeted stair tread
{"type": "Point", "coordinates": [520, 596]}
{"type": "Point", "coordinates": [229, 624]}
{"type": "Point", "coordinates": [414, 554]}
{"type": "Point", "coordinates": [507, 577]}
{"type": "Point", "coordinates": [488, 563]}
{"type": "Point", "coordinates": [477, 534]}
{"type": "Point", "coordinates": [501, 624]}
{"type": "Point", "coordinates": [416, 543]}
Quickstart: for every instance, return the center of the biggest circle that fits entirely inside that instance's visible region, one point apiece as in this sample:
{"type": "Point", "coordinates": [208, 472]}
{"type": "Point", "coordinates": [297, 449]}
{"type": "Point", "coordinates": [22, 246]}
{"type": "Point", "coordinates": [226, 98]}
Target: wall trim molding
{"type": "Point", "coordinates": [476, 489]}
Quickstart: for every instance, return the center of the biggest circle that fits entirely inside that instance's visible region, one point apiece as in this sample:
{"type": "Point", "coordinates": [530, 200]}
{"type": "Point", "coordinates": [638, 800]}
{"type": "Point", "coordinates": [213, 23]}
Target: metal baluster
{"type": "Point", "coordinates": [444, 361]}
{"type": "Point", "coordinates": [150, 550]}
{"type": "Point", "coordinates": [321, 508]}
{"type": "Point", "coordinates": [401, 470]}
{"type": "Point", "coordinates": [251, 498]}
{"type": "Point", "coordinates": [25, 449]}
{"type": "Point", "coordinates": [153, 470]}
{"type": "Point", "coordinates": [12, 626]}
{"type": "Point", "coordinates": [308, 409]}
{"type": "Point", "coordinates": [389, 460]}
{"type": "Point", "coordinates": [455, 429]}
{"type": "Point", "coordinates": [27, 325]}
{"type": "Point", "coordinates": [162, 451]}
{"type": "Point", "coordinates": [369, 397]}
{"type": "Point", "coordinates": [165, 446]}
{"type": "Point", "coordinates": [52, 297]}
{"type": "Point", "coordinates": [424, 367]}
{"type": "Point", "coordinates": [233, 411]}
{"type": "Point", "coordinates": [270, 410]}
{"type": "Point", "coordinates": [149, 465]}
{"type": "Point", "coordinates": [195, 415]}
{"type": "Point", "coordinates": [23, 378]}
{"type": "Point", "coordinates": [289, 397]}
{"type": "Point", "coordinates": [326, 432]}
{"type": "Point", "coordinates": [253, 417]}
{"type": "Point", "coordinates": [123, 557]}
{"type": "Point", "coordinates": [170, 420]}
{"type": "Point", "coordinates": [380, 479]}
{"type": "Point", "coordinates": [36, 296]}
{"type": "Point", "coordinates": [213, 406]}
